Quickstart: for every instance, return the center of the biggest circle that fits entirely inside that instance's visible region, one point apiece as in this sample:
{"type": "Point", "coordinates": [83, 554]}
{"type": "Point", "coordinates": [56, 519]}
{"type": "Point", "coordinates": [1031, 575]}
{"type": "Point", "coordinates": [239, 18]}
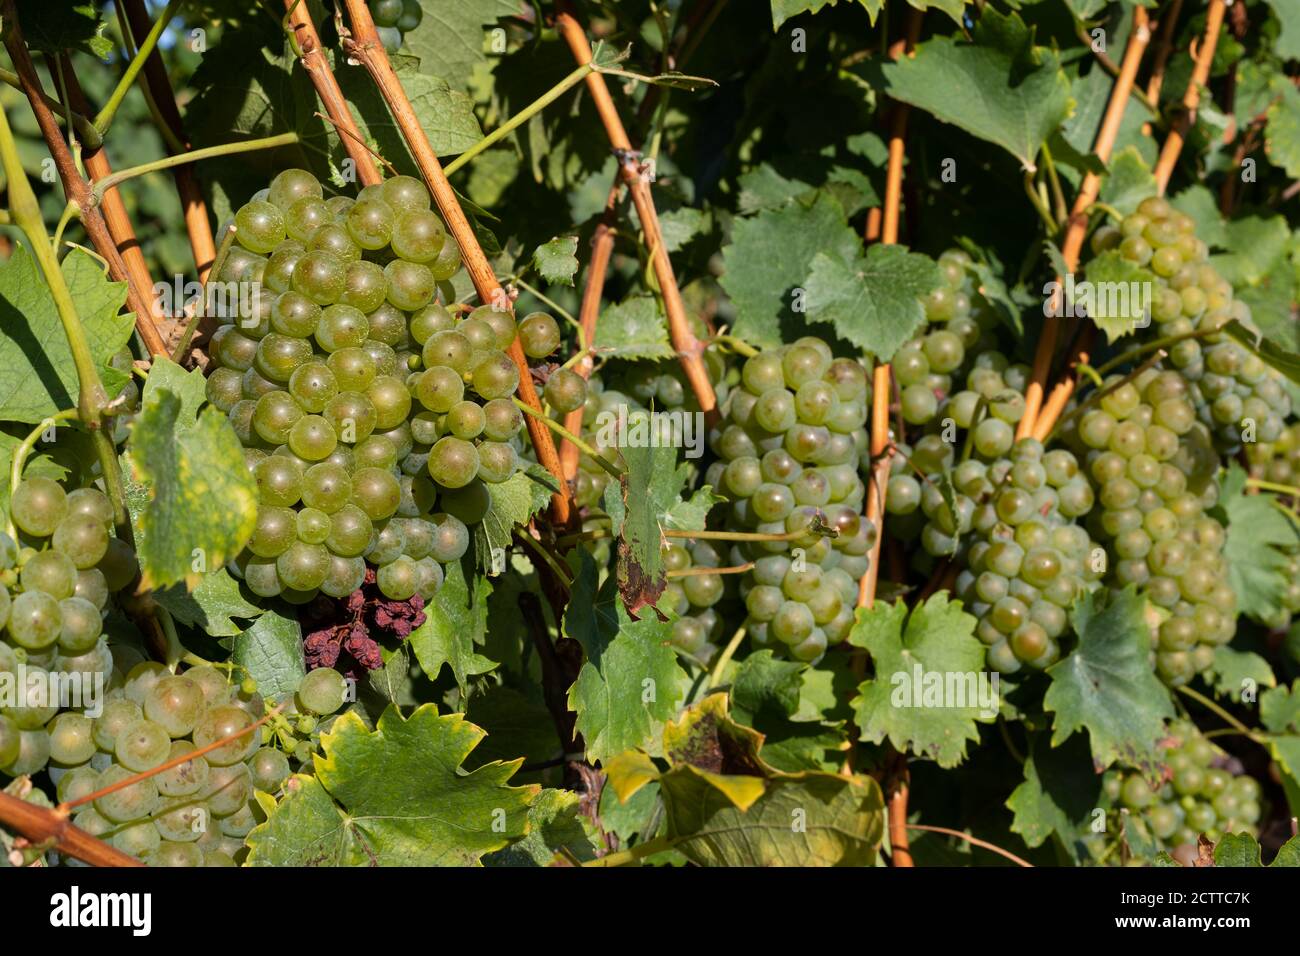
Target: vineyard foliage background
{"type": "Point", "coordinates": [704, 187]}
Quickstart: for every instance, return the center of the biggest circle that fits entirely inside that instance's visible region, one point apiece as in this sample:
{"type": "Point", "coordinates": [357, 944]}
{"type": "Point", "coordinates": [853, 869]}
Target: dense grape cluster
{"type": "Point", "coordinates": [196, 813]}
{"type": "Point", "coordinates": [1277, 461]}
{"type": "Point", "coordinates": [1236, 395]}
{"type": "Point", "coordinates": [1147, 456]}
{"type": "Point", "coordinates": [1203, 791]}
{"type": "Point", "coordinates": [54, 591]}
{"type": "Point", "coordinates": [394, 19]}
{"type": "Point", "coordinates": [691, 597]}
{"type": "Point", "coordinates": [958, 329]}
{"type": "Point", "coordinates": [372, 416]}
{"type": "Point", "coordinates": [789, 449]}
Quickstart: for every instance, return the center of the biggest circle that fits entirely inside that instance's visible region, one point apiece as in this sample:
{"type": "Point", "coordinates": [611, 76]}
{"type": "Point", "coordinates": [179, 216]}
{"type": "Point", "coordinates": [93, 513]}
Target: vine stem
{"type": "Point", "coordinates": [75, 186]}
{"type": "Point", "coordinates": [312, 57]}
{"type": "Point", "coordinates": [689, 350]}
{"type": "Point", "coordinates": [1214, 708]}
{"type": "Point", "coordinates": [728, 652]}
{"type": "Point", "coordinates": [364, 46]}
{"type": "Point", "coordinates": [739, 346]}
{"type": "Point", "coordinates": [602, 247]}
{"type": "Point", "coordinates": [973, 841]}
{"type": "Point", "coordinates": [1154, 345]}
{"type": "Point", "coordinates": [1053, 422]}
{"type": "Point", "coordinates": [1191, 97]}
{"type": "Point", "coordinates": [102, 186]}
{"type": "Point", "coordinates": [168, 115]}
{"type": "Point", "coordinates": [1164, 46]}
{"type": "Point", "coordinates": [104, 119]}
{"type": "Point", "coordinates": [527, 113]}
{"type": "Point", "coordinates": [84, 128]}
{"type": "Point", "coordinates": [42, 825]}
{"type": "Point", "coordinates": [1077, 229]}
{"type": "Point", "coordinates": [595, 534]}
{"type": "Point", "coordinates": [195, 320]}
{"type": "Point", "coordinates": [1289, 490]}
{"type": "Point", "coordinates": [701, 571]}
{"type": "Point", "coordinates": [612, 469]}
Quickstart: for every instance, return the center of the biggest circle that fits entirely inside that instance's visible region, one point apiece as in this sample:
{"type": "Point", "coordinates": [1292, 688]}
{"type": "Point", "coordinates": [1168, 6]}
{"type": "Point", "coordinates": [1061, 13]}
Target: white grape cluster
{"type": "Point", "coordinates": [789, 449]}
{"type": "Point", "coordinates": [372, 417]}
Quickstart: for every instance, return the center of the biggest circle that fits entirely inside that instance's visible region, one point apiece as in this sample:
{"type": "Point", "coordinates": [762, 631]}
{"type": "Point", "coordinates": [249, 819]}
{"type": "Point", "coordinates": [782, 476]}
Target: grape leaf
{"type": "Point", "coordinates": [1117, 296]}
{"type": "Point", "coordinates": [873, 301]}
{"type": "Point", "coordinates": [455, 621]}
{"type": "Point", "coordinates": [1201, 204]}
{"type": "Point", "coordinates": [1238, 671]}
{"type": "Point", "coordinates": [633, 329]}
{"type": "Point", "coordinates": [679, 226]}
{"type": "Point", "coordinates": [56, 27]}
{"type": "Point", "coordinates": [37, 376]}
{"type": "Point", "coordinates": [516, 725]}
{"type": "Point", "coordinates": [396, 796]}
{"type": "Point", "coordinates": [936, 646]}
{"type": "Point", "coordinates": [628, 685]}
{"type": "Point", "coordinates": [554, 825]}
{"type": "Point", "coordinates": [1058, 794]}
{"type": "Point", "coordinates": [1256, 532]}
{"type": "Point", "coordinates": [1128, 181]}
{"type": "Point", "coordinates": [1106, 684]}
{"type": "Point", "coordinates": [1279, 708]}
{"type": "Point", "coordinates": [1242, 849]}
{"type": "Point", "coordinates": [271, 652]}
{"type": "Point", "coordinates": [185, 466]}
{"type": "Point", "coordinates": [556, 261]}
{"type": "Point", "coordinates": [511, 503]}
{"type": "Point", "coordinates": [651, 486]}
{"type": "Point", "coordinates": [210, 606]}
{"type": "Point", "coordinates": [190, 387]}
{"type": "Point", "coordinates": [1000, 88]}
{"type": "Point", "coordinates": [763, 683]}
{"type": "Point", "coordinates": [1288, 38]}
{"type": "Point", "coordinates": [768, 260]}
{"type": "Point", "coordinates": [1255, 243]}
{"type": "Point", "coordinates": [1283, 359]}
{"type": "Point", "coordinates": [689, 514]}
{"type": "Point", "coordinates": [450, 39]}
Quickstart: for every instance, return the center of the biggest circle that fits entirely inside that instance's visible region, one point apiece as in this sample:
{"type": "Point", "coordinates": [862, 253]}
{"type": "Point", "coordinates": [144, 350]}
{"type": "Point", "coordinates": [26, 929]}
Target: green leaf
{"type": "Point", "coordinates": [633, 329]}
{"type": "Point", "coordinates": [929, 687]}
{"type": "Point", "coordinates": [190, 387]}
{"type": "Point", "coordinates": [679, 226]}
{"type": "Point", "coordinates": [186, 466]}
{"type": "Point", "coordinates": [651, 485]}
{"type": "Point", "coordinates": [769, 259]}
{"type": "Point", "coordinates": [873, 301]}
{"type": "Point", "coordinates": [1058, 795]}
{"type": "Point", "coordinates": [1279, 708]}
{"type": "Point", "coordinates": [1117, 296]}
{"type": "Point", "coordinates": [511, 503]}
{"type": "Point", "coordinates": [396, 796]}
{"type": "Point", "coordinates": [783, 10]}
{"type": "Point", "coordinates": [628, 685]}
{"type": "Point", "coordinates": [1106, 684]}
{"type": "Point", "coordinates": [455, 622]}
{"type": "Point", "coordinates": [762, 683]}
{"type": "Point", "coordinates": [271, 652]}
{"type": "Point", "coordinates": [690, 514]}
{"type": "Point", "coordinates": [1240, 674]}
{"type": "Point", "coordinates": [516, 725]}
{"type": "Point", "coordinates": [1288, 38]}
{"type": "Point", "coordinates": [57, 27]}
{"type": "Point", "coordinates": [1202, 205]}
{"type": "Point", "coordinates": [37, 376]}
{"type": "Point", "coordinates": [1255, 243]}
{"type": "Point", "coordinates": [1237, 849]}
{"type": "Point", "coordinates": [1282, 133]}
{"type": "Point", "coordinates": [1258, 532]}
{"type": "Point", "coordinates": [556, 261]}
{"type": "Point", "coordinates": [450, 40]}
{"type": "Point", "coordinates": [1128, 181]}
{"type": "Point", "coordinates": [1000, 88]}
{"type": "Point", "coordinates": [554, 830]}
{"type": "Point", "coordinates": [210, 606]}
{"type": "Point", "coordinates": [1283, 359]}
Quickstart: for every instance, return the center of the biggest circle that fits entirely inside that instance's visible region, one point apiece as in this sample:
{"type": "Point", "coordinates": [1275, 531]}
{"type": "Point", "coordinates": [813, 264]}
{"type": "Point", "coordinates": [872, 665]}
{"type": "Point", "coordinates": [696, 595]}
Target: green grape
{"type": "Point", "coordinates": [418, 236]}
{"type": "Point", "coordinates": [184, 779]}
{"type": "Point", "coordinates": [81, 625]}
{"type": "Point", "coordinates": [352, 368]}
{"type": "Point", "coordinates": [370, 223]}
{"type": "Point", "coordinates": [352, 416]}
{"type": "Point", "coordinates": [37, 506]}
{"type": "Point", "coordinates": [399, 579]}
{"type": "Point", "coordinates": [350, 531]}
{"type": "Point", "coordinates": [275, 416]}
{"type": "Point", "coordinates": [261, 577]}
{"type": "Point", "coordinates": [134, 802]}
{"type": "Point", "coordinates": [320, 275]}
{"type": "Point", "coordinates": [313, 526]}
{"type": "Point", "coordinates": [376, 492]}
{"type": "Point", "coordinates": [304, 217]}
{"type": "Point", "coordinates": [450, 538]}
{"type": "Point", "coordinates": [326, 487]}
{"type": "Point", "coordinates": [410, 284]}
{"type": "Point", "coordinates": [364, 286]}
{"type": "Point", "coordinates": [90, 502]}
{"type": "Point", "coordinates": [494, 375]}
{"type": "Point", "coordinates": [391, 399]}
{"type": "Point", "coordinates": [259, 226]}
{"type": "Point", "coordinates": [384, 357]}
{"type": "Point", "coordinates": [294, 315]}
{"type": "Point", "coordinates": [71, 739]}
{"type": "Point", "coordinates": [465, 420]}
{"type": "Point", "coordinates": [174, 704]}
{"type": "Point", "coordinates": [117, 715]}
{"type": "Point", "coordinates": [312, 438]}
{"type": "Point", "coordinates": [388, 325]}
{"type": "Point", "coordinates": [448, 262]}
{"type": "Point", "coordinates": [334, 239]}
{"type": "Point", "coordinates": [497, 461]}
{"type": "Point", "coordinates": [500, 322]}
{"type": "Point", "coordinates": [341, 327]}
{"type": "Point", "coordinates": [52, 572]}
{"type": "Point", "coordinates": [141, 746]}
{"type": "Point", "coordinates": [539, 334]}
{"type": "Point", "coordinates": [403, 193]}
{"type": "Point", "coordinates": [291, 185]}
{"type": "Point", "coordinates": [269, 769]}
{"type": "Point", "coordinates": [429, 320]}
{"type": "Point", "coordinates": [303, 566]}
{"type": "Point", "coordinates": [376, 452]}
{"type": "Point", "coordinates": [278, 355]}
{"type": "Point", "coordinates": [82, 538]}
{"type": "Point", "coordinates": [449, 348]}
{"type": "Point", "coordinates": [565, 390]}
{"type": "Point", "coordinates": [453, 463]}
{"type": "Point", "coordinates": [275, 530]}
{"type": "Point", "coordinates": [345, 576]}
{"type": "Point", "coordinates": [279, 481]}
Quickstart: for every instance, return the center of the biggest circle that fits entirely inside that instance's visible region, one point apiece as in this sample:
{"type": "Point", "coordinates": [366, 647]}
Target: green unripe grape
{"type": "Point", "coordinates": [321, 276]}
{"type": "Point", "coordinates": [352, 368]}
{"type": "Point", "coordinates": [453, 463]}
{"type": "Point", "coordinates": [291, 185]}
{"type": "Point", "coordinates": [410, 284]}
{"type": "Point", "coordinates": [376, 492]}
{"type": "Point", "coordinates": [370, 223]}
{"type": "Point", "coordinates": [418, 236]}
{"type": "Point", "coordinates": [352, 416]}
{"type": "Point", "coordinates": [403, 193]}
{"type": "Point", "coordinates": [303, 566]}
{"type": "Point", "coordinates": [37, 506]}
{"type": "Point", "coordinates": [565, 390]}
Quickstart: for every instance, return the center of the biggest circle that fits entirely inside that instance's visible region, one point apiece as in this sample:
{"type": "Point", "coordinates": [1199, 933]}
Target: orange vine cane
{"type": "Point", "coordinates": [1078, 224]}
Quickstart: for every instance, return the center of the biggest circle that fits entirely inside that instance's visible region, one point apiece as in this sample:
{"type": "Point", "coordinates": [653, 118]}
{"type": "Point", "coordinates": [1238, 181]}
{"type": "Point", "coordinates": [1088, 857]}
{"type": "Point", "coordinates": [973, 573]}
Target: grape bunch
{"type": "Point", "coordinates": [788, 449]}
{"type": "Point", "coordinates": [1202, 791]}
{"type": "Point", "coordinates": [1236, 395]}
{"type": "Point", "coordinates": [196, 813]}
{"type": "Point", "coordinates": [56, 582]}
{"type": "Point", "coordinates": [1151, 464]}
{"type": "Point", "coordinates": [394, 19]}
{"type": "Point", "coordinates": [958, 327]}
{"type": "Point", "coordinates": [1277, 461]}
{"type": "Point", "coordinates": [371, 415]}
{"type": "Point", "coordinates": [691, 597]}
